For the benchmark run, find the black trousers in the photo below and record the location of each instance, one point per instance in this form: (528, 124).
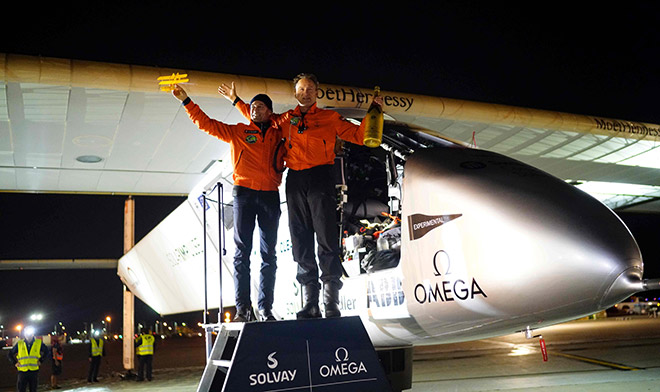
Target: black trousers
(27, 379)
(144, 363)
(94, 366)
(312, 204)
(264, 208)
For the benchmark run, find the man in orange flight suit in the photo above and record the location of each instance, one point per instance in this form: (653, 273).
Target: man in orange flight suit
(310, 134)
(256, 196)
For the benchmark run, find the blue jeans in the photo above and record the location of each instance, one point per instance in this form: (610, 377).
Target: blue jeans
(264, 208)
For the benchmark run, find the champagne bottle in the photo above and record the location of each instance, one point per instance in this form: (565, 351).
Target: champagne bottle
(373, 129)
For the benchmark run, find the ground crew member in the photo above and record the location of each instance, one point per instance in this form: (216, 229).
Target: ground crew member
(256, 196)
(96, 352)
(145, 344)
(310, 134)
(27, 355)
(57, 353)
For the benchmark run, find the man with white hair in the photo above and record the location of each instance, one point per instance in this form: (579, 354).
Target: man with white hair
(27, 355)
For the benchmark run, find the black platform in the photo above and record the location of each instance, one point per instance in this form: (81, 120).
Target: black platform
(324, 355)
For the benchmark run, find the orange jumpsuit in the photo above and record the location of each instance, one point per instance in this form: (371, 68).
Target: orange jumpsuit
(256, 197)
(252, 153)
(310, 187)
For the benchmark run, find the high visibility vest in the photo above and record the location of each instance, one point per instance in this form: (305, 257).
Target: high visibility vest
(28, 361)
(59, 354)
(147, 346)
(97, 348)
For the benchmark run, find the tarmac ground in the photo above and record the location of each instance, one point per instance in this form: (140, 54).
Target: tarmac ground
(592, 355)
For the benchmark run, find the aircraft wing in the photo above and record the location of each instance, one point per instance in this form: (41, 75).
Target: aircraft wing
(81, 126)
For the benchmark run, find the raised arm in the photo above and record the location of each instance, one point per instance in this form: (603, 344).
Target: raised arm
(179, 93)
(213, 127)
(230, 93)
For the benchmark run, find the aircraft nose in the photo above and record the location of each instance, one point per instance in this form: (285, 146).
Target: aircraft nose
(603, 251)
(610, 243)
(626, 284)
(530, 237)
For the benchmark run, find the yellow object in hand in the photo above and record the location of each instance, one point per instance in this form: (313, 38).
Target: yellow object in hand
(167, 83)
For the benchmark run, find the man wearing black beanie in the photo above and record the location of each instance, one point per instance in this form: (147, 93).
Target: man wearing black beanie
(256, 195)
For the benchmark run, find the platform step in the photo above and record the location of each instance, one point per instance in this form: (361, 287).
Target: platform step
(331, 355)
(221, 363)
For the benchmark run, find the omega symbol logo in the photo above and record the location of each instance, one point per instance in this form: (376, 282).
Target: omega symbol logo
(272, 362)
(440, 259)
(338, 355)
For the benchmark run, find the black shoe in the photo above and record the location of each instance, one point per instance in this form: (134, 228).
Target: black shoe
(242, 316)
(310, 311)
(331, 299)
(267, 315)
(311, 298)
(332, 311)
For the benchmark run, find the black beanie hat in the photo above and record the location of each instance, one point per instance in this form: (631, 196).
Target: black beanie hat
(265, 99)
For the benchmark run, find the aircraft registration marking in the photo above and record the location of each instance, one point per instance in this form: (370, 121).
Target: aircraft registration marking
(385, 296)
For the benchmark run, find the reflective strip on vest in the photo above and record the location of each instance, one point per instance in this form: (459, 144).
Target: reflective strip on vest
(28, 361)
(97, 348)
(147, 346)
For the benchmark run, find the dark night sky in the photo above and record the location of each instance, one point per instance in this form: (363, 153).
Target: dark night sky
(598, 60)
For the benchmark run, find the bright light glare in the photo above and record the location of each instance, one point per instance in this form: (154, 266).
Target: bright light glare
(616, 195)
(649, 158)
(521, 350)
(613, 188)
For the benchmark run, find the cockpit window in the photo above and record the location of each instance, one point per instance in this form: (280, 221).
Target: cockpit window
(404, 140)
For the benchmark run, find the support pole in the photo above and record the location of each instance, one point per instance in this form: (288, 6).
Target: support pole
(206, 291)
(129, 298)
(221, 242)
(207, 328)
